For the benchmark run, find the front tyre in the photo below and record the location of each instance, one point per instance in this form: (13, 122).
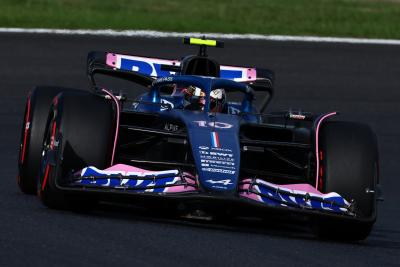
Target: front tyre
(33, 129)
(349, 162)
(80, 133)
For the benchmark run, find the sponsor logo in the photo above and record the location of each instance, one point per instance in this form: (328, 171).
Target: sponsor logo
(163, 79)
(224, 182)
(218, 154)
(216, 124)
(171, 127)
(220, 125)
(219, 162)
(218, 170)
(146, 66)
(221, 149)
(297, 116)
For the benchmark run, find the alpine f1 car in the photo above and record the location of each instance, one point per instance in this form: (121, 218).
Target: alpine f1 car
(184, 145)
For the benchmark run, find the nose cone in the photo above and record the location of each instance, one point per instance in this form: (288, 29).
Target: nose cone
(216, 151)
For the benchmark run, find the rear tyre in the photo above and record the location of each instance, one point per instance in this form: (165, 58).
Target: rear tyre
(350, 168)
(80, 133)
(32, 134)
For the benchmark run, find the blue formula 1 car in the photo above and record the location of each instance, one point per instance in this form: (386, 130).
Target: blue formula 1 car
(184, 145)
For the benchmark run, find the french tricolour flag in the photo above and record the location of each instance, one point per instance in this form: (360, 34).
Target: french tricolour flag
(215, 139)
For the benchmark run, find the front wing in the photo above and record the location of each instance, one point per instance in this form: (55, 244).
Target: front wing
(125, 178)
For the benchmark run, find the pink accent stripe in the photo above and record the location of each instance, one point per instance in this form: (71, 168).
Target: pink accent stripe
(125, 168)
(251, 195)
(179, 188)
(245, 186)
(111, 60)
(251, 74)
(117, 125)
(128, 168)
(301, 187)
(317, 144)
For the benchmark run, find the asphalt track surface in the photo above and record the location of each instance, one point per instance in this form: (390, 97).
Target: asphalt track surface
(360, 81)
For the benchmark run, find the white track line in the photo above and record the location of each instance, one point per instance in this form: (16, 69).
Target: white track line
(157, 34)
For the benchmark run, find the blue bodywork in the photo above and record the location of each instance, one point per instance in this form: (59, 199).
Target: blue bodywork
(214, 137)
(216, 150)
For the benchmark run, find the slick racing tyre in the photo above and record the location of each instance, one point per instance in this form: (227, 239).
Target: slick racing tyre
(33, 128)
(80, 133)
(349, 162)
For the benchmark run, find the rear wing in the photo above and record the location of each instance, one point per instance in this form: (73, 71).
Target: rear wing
(144, 70)
(153, 68)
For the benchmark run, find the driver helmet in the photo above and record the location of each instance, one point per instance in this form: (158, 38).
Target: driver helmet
(217, 100)
(194, 98)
